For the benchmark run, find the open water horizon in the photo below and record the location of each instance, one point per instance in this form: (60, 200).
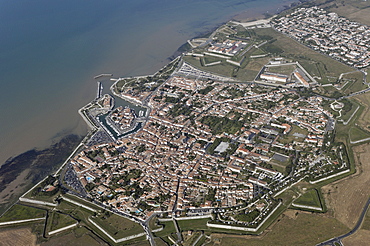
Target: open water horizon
(51, 50)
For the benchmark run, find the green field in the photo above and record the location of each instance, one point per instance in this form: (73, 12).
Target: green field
(288, 196)
(89, 204)
(256, 52)
(210, 59)
(58, 220)
(196, 224)
(347, 115)
(118, 226)
(356, 133)
(286, 70)
(169, 228)
(153, 224)
(355, 83)
(310, 198)
(289, 231)
(22, 212)
(159, 242)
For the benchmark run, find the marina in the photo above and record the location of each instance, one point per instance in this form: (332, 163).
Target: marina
(103, 116)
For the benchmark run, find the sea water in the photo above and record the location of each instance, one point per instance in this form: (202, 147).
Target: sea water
(51, 50)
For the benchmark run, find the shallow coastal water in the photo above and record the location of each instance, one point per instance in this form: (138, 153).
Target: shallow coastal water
(51, 50)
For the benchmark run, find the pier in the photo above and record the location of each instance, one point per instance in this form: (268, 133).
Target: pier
(99, 91)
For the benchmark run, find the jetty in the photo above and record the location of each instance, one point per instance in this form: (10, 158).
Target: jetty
(103, 75)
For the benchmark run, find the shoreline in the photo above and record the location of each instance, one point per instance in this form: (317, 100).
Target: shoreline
(91, 127)
(13, 147)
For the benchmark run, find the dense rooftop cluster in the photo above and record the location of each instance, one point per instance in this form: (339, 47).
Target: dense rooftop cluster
(228, 47)
(329, 33)
(210, 144)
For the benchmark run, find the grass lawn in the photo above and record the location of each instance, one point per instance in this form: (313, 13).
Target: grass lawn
(342, 132)
(81, 214)
(314, 68)
(357, 133)
(22, 212)
(305, 229)
(89, 204)
(346, 116)
(286, 70)
(43, 196)
(364, 119)
(118, 226)
(169, 228)
(223, 69)
(288, 196)
(248, 75)
(256, 64)
(310, 198)
(211, 59)
(153, 225)
(66, 206)
(59, 220)
(196, 224)
(355, 83)
(256, 52)
(159, 242)
(329, 90)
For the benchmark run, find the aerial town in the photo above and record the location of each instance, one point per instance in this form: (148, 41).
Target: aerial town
(328, 33)
(208, 144)
(230, 134)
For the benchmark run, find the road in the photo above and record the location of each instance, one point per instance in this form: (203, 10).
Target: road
(358, 225)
